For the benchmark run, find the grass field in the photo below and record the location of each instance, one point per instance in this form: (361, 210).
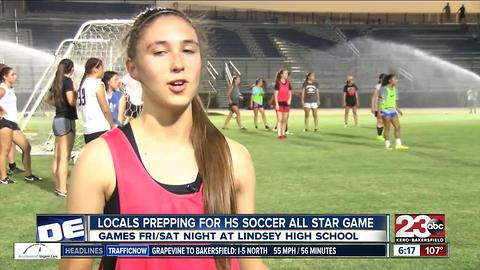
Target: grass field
(336, 170)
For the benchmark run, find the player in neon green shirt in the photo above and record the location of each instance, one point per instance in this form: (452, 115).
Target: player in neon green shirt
(387, 102)
(256, 103)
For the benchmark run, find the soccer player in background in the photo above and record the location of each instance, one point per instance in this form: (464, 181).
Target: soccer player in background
(171, 159)
(93, 103)
(472, 97)
(388, 103)
(116, 99)
(234, 96)
(310, 99)
(350, 100)
(256, 103)
(374, 107)
(9, 129)
(133, 94)
(283, 99)
(12, 164)
(65, 100)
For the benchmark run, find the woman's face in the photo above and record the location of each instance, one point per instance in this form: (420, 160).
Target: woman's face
(312, 77)
(114, 82)
(11, 77)
(285, 74)
(393, 81)
(237, 81)
(99, 71)
(168, 62)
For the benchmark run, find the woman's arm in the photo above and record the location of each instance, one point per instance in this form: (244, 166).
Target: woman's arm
(276, 100)
(303, 96)
(358, 98)
(244, 177)
(121, 109)
(93, 177)
(289, 97)
(229, 94)
(373, 100)
(318, 96)
(2, 93)
(102, 101)
(344, 99)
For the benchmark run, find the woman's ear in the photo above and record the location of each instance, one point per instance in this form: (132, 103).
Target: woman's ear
(132, 68)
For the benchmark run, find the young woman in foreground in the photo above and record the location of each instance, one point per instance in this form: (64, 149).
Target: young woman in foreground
(167, 160)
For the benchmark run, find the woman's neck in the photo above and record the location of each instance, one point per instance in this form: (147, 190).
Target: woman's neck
(9, 85)
(165, 125)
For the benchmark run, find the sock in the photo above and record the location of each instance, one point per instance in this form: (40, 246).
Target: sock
(12, 165)
(398, 141)
(387, 143)
(379, 131)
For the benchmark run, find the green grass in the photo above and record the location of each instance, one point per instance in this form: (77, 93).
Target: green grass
(337, 170)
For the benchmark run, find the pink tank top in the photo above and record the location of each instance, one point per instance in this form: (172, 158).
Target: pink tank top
(139, 194)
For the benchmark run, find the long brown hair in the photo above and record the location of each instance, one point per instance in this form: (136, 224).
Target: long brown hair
(4, 72)
(64, 67)
(89, 66)
(212, 153)
(279, 74)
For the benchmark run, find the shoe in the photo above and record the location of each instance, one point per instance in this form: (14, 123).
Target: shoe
(401, 147)
(60, 194)
(315, 130)
(284, 137)
(243, 128)
(7, 181)
(256, 127)
(32, 178)
(280, 138)
(267, 127)
(380, 138)
(275, 129)
(288, 133)
(15, 170)
(305, 130)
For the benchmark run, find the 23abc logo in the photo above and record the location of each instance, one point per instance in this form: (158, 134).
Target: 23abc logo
(421, 226)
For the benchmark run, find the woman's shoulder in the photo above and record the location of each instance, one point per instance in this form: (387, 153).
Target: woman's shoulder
(239, 153)
(95, 162)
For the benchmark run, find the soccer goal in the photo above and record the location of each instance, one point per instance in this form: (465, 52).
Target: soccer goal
(102, 39)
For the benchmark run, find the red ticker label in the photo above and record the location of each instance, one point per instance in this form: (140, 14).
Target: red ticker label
(433, 250)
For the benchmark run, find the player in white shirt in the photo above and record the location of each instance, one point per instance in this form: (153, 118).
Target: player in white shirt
(92, 101)
(9, 130)
(133, 89)
(375, 110)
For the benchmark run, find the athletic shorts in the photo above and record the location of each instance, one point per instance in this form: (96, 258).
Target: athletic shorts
(257, 106)
(4, 123)
(351, 104)
(283, 106)
(90, 137)
(389, 114)
(62, 126)
(310, 105)
(133, 110)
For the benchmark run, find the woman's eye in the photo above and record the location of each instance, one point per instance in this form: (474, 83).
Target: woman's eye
(160, 52)
(188, 51)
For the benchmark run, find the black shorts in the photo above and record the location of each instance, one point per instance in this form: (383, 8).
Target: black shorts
(283, 104)
(90, 137)
(351, 104)
(4, 123)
